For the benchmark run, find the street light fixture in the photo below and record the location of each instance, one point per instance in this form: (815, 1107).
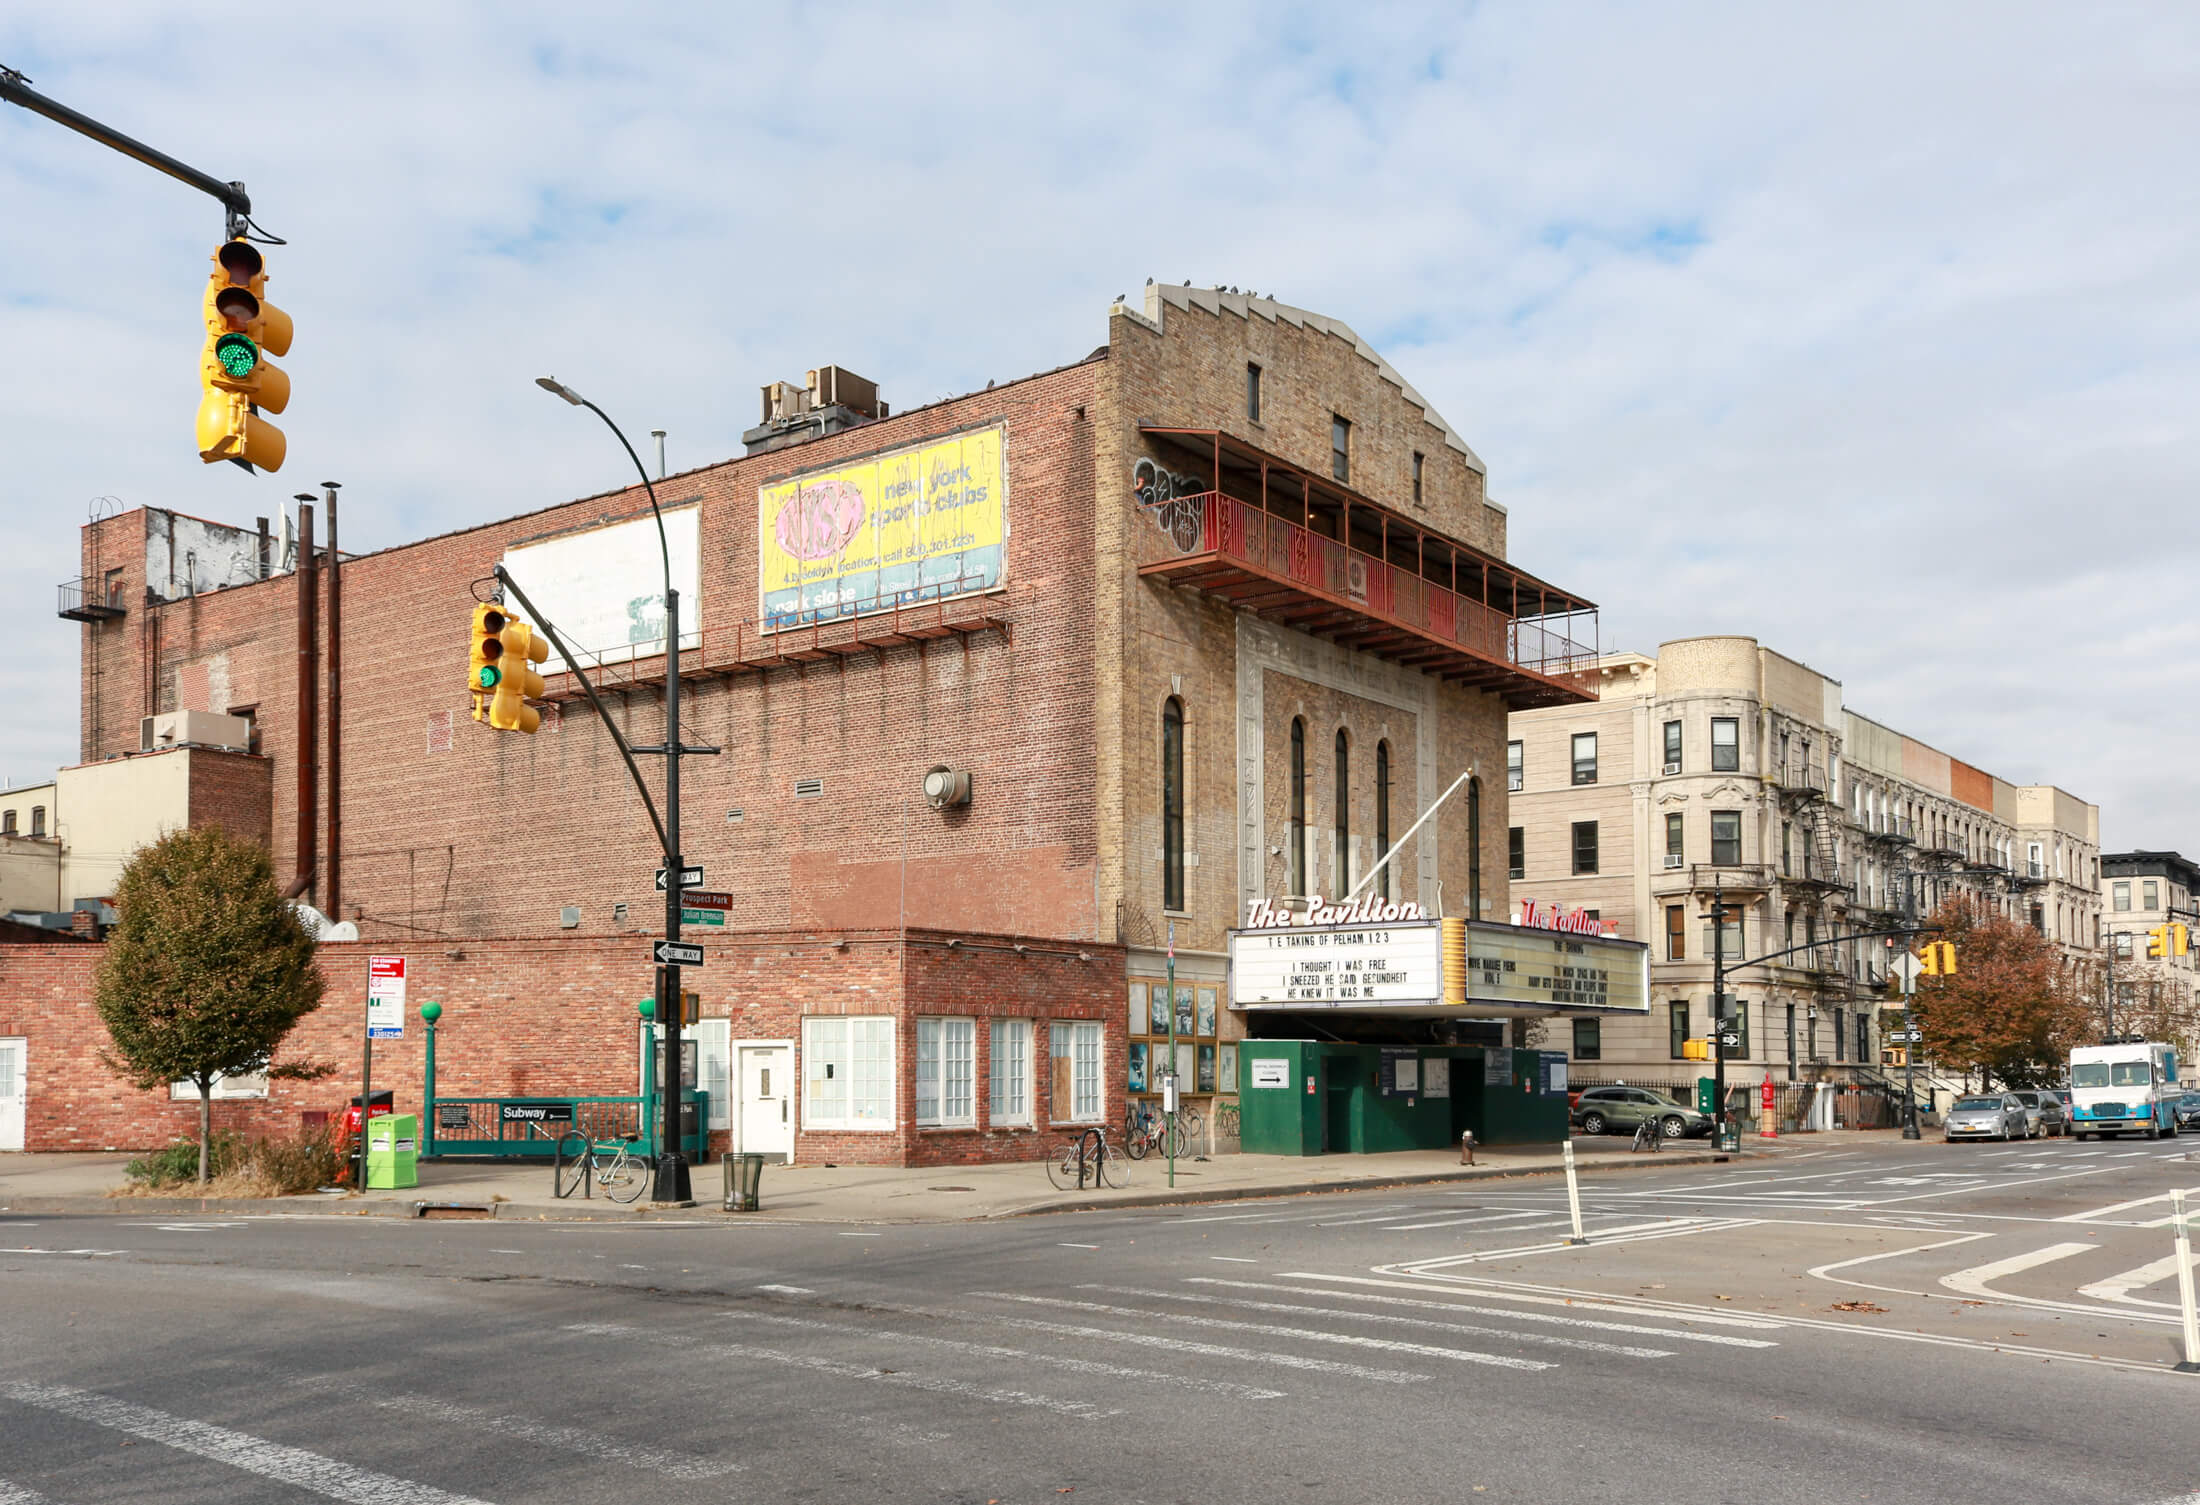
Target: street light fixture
(672, 1184)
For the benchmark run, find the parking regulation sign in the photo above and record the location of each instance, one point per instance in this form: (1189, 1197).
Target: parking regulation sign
(385, 998)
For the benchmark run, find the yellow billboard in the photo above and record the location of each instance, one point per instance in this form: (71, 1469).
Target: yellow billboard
(917, 524)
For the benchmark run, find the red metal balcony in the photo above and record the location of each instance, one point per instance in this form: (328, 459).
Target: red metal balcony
(1498, 630)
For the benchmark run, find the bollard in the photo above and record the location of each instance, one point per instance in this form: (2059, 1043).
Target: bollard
(1573, 1196)
(2186, 1305)
(1466, 1147)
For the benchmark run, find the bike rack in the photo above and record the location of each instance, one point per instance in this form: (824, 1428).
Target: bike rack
(558, 1161)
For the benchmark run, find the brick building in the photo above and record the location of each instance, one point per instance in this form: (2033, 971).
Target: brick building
(1161, 605)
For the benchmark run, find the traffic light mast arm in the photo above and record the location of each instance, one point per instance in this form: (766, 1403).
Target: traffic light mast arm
(1824, 941)
(664, 842)
(13, 88)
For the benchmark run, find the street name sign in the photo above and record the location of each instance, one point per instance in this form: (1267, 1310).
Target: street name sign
(705, 898)
(679, 954)
(701, 916)
(689, 877)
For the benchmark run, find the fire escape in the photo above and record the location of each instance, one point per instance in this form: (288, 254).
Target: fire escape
(1811, 879)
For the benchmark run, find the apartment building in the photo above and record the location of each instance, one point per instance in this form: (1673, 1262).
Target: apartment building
(1719, 768)
(2154, 995)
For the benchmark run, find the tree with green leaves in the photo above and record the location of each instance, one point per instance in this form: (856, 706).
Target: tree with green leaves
(2011, 1011)
(206, 969)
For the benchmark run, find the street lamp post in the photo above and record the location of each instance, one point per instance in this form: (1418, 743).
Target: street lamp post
(1718, 1014)
(672, 1185)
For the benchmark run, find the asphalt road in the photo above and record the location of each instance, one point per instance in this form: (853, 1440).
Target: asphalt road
(1908, 1323)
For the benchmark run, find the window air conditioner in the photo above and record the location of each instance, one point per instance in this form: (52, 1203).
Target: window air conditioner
(1672, 768)
(1674, 859)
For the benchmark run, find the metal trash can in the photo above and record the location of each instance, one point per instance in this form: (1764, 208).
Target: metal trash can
(744, 1174)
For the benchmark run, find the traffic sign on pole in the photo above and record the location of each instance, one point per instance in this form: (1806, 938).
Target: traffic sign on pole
(679, 954)
(689, 877)
(705, 898)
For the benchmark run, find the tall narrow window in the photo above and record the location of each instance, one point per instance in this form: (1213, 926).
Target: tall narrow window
(1298, 806)
(1676, 1028)
(1172, 804)
(1382, 814)
(1726, 744)
(1585, 757)
(7, 822)
(38, 820)
(1676, 932)
(1417, 458)
(1252, 391)
(1516, 851)
(1672, 747)
(1585, 846)
(1726, 838)
(1676, 841)
(1588, 1039)
(1515, 767)
(1474, 849)
(1340, 448)
(1342, 882)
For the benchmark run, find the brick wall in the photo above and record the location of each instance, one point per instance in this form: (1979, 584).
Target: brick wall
(233, 790)
(533, 1015)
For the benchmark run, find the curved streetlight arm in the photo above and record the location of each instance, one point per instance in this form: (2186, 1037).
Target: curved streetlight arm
(552, 385)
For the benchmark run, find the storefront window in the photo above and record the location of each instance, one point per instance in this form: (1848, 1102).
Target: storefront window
(848, 1073)
(1009, 1073)
(947, 1073)
(1074, 1049)
(1200, 1063)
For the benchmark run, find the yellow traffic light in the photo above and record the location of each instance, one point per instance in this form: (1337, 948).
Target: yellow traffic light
(517, 682)
(1937, 959)
(1695, 1050)
(484, 650)
(2158, 941)
(242, 329)
(2180, 940)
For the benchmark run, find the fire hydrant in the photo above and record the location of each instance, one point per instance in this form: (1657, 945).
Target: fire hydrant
(1466, 1147)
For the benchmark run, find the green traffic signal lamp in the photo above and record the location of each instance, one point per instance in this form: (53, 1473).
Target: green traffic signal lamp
(238, 356)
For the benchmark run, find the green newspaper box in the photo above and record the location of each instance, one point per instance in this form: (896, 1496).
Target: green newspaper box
(393, 1151)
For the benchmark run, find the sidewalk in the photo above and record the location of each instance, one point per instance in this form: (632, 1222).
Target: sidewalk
(846, 1194)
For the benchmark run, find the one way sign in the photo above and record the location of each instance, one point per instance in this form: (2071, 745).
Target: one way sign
(689, 877)
(679, 954)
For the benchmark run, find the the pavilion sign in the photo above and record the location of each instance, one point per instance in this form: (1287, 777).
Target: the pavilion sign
(1373, 909)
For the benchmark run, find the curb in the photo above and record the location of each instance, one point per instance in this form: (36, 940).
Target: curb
(709, 1214)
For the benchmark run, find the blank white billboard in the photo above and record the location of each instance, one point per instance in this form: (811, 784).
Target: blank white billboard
(604, 588)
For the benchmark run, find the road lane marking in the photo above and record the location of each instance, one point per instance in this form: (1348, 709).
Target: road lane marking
(1549, 1340)
(239, 1450)
(1484, 1217)
(1172, 1344)
(2120, 1287)
(1664, 1228)
(589, 1442)
(1081, 1410)
(998, 1351)
(1974, 1281)
(1076, 1246)
(1510, 1315)
(789, 1290)
(71, 1253)
(16, 1494)
(1304, 1334)
(1233, 1259)
(1864, 1259)
(2097, 1214)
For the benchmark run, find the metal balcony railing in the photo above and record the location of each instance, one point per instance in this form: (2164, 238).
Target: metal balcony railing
(83, 600)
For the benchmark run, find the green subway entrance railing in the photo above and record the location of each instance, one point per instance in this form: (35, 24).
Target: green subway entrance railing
(528, 1128)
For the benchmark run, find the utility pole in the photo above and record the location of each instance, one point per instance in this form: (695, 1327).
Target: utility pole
(1718, 1013)
(2110, 999)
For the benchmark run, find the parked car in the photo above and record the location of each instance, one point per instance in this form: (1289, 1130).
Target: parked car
(2045, 1111)
(1606, 1110)
(2188, 1110)
(1995, 1116)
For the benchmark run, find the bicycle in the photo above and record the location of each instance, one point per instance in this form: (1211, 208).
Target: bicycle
(1086, 1163)
(610, 1164)
(1149, 1131)
(1652, 1133)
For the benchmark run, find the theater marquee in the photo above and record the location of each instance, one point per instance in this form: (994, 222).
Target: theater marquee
(1525, 967)
(1338, 966)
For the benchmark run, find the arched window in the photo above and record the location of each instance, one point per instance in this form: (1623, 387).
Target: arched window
(1342, 882)
(1298, 805)
(38, 820)
(1382, 814)
(1172, 804)
(1474, 849)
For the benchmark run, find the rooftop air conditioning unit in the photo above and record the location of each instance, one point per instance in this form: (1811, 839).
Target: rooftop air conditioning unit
(1675, 859)
(201, 728)
(1672, 768)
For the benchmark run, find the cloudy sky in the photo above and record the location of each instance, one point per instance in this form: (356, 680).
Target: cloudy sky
(1867, 330)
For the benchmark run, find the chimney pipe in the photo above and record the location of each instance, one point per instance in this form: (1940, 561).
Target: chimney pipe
(332, 891)
(309, 720)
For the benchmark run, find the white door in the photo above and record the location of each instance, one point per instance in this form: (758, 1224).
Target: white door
(14, 1080)
(764, 1111)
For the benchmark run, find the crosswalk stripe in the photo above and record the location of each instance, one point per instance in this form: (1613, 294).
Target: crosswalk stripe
(1486, 1217)
(239, 1450)
(1973, 1282)
(2096, 1214)
(1304, 1334)
(998, 1351)
(589, 1442)
(1581, 1301)
(1171, 1344)
(1548, 1340)
(16, 1494)
(1495, 1311)
(1081, 1410)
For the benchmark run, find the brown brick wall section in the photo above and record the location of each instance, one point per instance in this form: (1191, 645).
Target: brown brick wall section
(234, 791)
(543, 1016)
(500, 832)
